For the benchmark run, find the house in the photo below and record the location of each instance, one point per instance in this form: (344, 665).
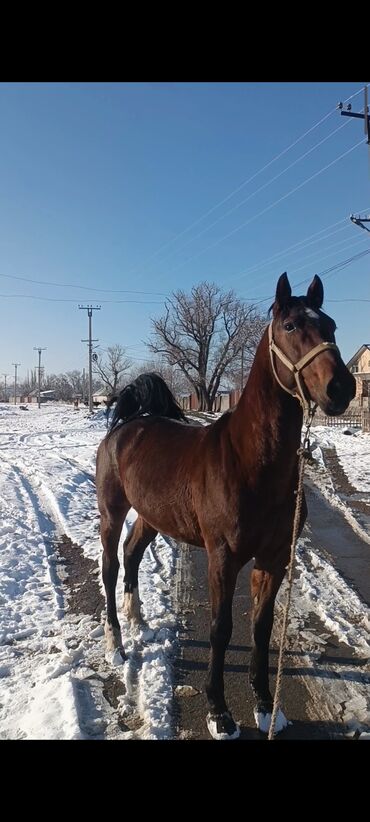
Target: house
(359, 365)
(100, 396)
(33, 396)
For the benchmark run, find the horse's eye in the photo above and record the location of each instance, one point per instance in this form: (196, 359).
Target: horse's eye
(289, 327)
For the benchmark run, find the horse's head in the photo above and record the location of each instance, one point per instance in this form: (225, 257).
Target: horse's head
(304, 357)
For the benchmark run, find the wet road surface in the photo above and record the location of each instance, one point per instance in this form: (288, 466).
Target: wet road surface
(331, 535)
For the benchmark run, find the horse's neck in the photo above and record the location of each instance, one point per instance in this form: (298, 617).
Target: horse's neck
(267, 422)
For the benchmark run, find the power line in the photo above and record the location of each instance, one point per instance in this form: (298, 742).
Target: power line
(291, 251)
(242, 185)
(350, 300)
(269, 207)
(325, 273)
(338, 266)
(82, 287)
(307, 262)
(256, 191)
(71, 300)
(322, 256)
(305, 242)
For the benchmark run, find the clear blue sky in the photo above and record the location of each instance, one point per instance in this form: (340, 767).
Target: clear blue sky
(100, 182)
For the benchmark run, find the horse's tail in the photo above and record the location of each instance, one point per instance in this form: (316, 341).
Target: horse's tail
(148, 394)
(109, 402)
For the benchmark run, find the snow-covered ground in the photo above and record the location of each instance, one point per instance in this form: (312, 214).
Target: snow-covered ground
(53, 674)
(322, 596)
(52, 667)
(353, 451)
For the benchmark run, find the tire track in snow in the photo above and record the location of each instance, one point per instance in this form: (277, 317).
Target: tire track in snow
(66, 651)
(135, 701)
(46, 528)
(130, 715)
(31, 626)
(75, 464)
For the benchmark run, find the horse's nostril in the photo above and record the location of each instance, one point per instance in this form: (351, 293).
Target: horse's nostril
(335, 389)
(340, 387)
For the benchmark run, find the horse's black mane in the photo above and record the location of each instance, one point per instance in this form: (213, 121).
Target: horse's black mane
(148, 394)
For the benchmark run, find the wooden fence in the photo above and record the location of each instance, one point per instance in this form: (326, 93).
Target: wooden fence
(366, 421)
(223, 402)
(352, 421)
(361, 420)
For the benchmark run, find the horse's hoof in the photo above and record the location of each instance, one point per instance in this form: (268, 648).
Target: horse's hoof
(222, 726)
(115, 657)
(263, 721)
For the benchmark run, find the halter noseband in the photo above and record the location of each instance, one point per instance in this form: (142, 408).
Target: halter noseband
(297, 367)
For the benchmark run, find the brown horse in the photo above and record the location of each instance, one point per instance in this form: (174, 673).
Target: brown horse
(228, 486)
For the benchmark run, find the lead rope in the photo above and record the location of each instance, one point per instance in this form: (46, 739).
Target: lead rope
(303, 453)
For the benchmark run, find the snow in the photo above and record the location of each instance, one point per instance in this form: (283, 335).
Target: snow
(223, 735)
(323, 591)
(52, 661)
(353, 452)
(53, 672)
(354, 457)
(263, 721)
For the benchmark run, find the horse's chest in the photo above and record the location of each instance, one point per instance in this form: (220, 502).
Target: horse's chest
(260, 521)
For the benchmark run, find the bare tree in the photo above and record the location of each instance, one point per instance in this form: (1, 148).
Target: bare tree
(237, 372)
(203, 333)
(110, 365)
(66, 386)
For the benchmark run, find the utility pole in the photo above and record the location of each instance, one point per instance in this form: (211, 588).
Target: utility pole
(15, 381)
(365, 116)
(90, 309)
(39, 370)
(5, 376)
(360, 221)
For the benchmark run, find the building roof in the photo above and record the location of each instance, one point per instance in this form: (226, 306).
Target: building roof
(35, 393)
(358, 354)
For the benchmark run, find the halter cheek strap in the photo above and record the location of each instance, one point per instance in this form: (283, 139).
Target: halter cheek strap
(297, 367)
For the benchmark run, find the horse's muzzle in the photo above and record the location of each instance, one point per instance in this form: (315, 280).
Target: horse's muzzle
(340, 391)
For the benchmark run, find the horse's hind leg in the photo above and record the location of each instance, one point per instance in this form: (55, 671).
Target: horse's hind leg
(112, 513)
(139, 537)
(222, 574)
(264, 587)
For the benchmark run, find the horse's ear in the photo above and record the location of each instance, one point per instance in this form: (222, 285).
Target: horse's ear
(283, 292)
(315, 292)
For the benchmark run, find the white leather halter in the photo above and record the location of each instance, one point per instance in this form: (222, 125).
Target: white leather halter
(297, 367)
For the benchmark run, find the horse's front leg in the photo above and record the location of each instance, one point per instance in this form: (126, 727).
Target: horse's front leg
(264, 587)
(222, 575)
